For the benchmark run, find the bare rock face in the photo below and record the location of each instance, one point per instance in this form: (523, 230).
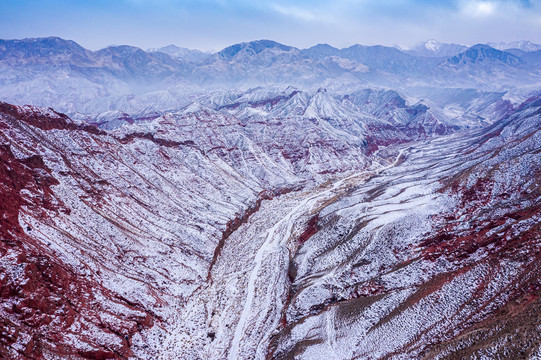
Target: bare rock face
(239, 232)
(47, 307)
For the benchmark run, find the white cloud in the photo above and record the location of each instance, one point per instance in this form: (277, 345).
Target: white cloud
(479, 8)
(294, 12)
(325, 13)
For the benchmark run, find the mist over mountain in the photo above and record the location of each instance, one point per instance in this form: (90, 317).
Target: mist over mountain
(523, 45)
(60, 73)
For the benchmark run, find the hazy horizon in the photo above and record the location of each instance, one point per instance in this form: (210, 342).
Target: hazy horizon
(253, 40)
(211, 25)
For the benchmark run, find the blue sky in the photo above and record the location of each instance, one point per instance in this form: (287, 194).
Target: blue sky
(214, 24)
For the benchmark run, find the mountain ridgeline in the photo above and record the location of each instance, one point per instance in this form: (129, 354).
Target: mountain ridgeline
(60, 73)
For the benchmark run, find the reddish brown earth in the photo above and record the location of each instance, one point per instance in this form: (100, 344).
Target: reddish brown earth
(44, 302)
(50, 308)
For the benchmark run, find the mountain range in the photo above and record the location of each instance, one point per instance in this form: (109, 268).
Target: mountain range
(62, 74)
(270, 202)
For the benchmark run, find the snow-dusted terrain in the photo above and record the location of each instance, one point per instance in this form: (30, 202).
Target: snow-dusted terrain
(267, 202)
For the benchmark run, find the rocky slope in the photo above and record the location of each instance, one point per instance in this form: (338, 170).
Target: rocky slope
(223, 231)
(438, 255)
(105, 234)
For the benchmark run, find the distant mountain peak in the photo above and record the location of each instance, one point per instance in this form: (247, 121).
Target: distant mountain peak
(481, 46)
(171, 47)
(323, 47)
(47, 39)
(321, 51)
(435, 48)
(186, 54)
(482, 53)
(40, 50)
(433, 45)
(523, 45)
(53, 42)
(252, 48)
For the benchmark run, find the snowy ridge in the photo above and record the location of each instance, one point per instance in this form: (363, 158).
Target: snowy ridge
(210, 236)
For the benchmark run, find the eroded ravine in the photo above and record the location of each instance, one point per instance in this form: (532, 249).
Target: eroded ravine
(404, 252)
(256, 308)
(244, 303)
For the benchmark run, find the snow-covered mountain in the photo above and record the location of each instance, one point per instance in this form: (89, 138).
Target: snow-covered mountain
(484, 67)
(269, 202)
(434, 48)
(523, 45)
(51, 50)
(243, 51)
(484, 54)
(321, 51)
